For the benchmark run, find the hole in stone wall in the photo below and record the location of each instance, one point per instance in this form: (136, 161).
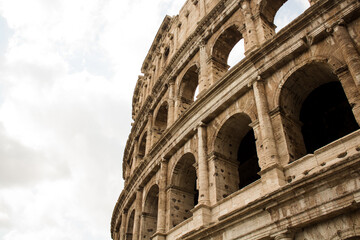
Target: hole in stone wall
(326, 116)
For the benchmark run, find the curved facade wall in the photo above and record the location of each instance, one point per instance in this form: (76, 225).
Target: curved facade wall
(267, 149)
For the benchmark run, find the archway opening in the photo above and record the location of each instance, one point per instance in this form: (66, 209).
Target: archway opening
(142, 146)
(236, 54)
(248, 161)
(288, 12)
(150, 213)
(130, 228)
(188, 86)
(310, 101)
(221, 51)
(235, 151)
(326, 116)
(183, 193)
(161, 120)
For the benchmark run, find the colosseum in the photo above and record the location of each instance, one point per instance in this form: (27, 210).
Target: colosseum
(266, 149)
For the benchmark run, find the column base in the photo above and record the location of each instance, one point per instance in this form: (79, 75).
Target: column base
(158, 236)
(272, 178)
(201, 215)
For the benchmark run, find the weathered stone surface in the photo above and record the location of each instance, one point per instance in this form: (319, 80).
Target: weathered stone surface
(269, 149)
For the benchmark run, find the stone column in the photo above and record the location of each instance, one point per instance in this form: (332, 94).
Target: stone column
(161, 217)
(203, 166)
(123, 225)
(204, 82)
(171, 102)
(138, 212)
(149, 134)
(251, 41)
(348, 50)
(351, 92)
(271, 173)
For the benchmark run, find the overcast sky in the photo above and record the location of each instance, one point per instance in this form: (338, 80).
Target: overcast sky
(67, 73)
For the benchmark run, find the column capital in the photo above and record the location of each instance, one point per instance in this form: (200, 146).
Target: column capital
(201, 125)
(258, 78)
(287, 235)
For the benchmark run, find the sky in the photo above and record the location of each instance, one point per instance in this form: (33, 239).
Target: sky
(67, 74)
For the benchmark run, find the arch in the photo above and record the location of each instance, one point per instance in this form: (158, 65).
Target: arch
(183, 191)
(142, 145)
(161, 120)
(130, 226)
(221, 49)
(315, 109)
(288, 12)
(150, 213)
(187, 87)
(235, 150)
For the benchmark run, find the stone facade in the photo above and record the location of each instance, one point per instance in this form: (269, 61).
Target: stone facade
(269, 149)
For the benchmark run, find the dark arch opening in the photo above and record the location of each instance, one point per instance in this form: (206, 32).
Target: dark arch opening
(150, 213)
(314, 85)
(130, 228)
(248, 161)
(183, 193)
(235, 151)
(188, 86)
(326, 116)
(142, 145)
(161, 120)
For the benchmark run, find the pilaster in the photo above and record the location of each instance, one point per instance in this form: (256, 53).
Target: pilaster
(138, 212)
(348, 50)
(204, 82)
(271, 172)
(123, 225)
(203, 166)
(161, 221)
(171, 102)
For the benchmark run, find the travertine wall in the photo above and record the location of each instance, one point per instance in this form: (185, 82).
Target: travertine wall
(269, 149)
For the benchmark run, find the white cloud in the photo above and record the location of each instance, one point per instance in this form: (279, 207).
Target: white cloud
(66, 82)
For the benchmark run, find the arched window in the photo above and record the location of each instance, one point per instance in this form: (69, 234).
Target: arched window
(326, 116)
(161, 120)
(150, 213)
(183, 193)
(130, 228)
(221, 50)
(315, 110)
(236, 54)
(188, 86)
(290, 10)
(235, 150)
